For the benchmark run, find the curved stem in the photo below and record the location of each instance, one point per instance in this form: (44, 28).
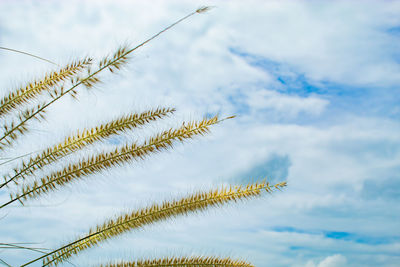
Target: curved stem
(28, 54)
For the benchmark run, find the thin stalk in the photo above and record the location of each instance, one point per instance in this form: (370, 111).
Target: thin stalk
(14, 246)
(5, 263)
(7, 160)
(28, 54)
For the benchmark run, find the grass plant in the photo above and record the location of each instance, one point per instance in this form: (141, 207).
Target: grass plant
(24, 181)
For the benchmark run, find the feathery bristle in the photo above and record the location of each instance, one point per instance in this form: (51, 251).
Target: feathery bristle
(155, 213)
(182, 262)
(32, 90)
(103, 161)
(115, 62)
(85, 138)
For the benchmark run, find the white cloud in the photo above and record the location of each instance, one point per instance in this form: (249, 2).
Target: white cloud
(336, 260)
(289, 106)
(341, 42)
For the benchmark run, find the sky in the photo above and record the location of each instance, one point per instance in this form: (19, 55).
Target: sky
(315, 89)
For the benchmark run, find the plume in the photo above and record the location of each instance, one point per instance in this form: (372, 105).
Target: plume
(102, 161)
(157, 212)
(33, 89)
(182, 262)
(83, 139)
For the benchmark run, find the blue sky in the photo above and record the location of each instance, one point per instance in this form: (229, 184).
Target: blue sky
(314, 85)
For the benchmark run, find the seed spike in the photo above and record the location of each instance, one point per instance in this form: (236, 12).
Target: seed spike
(157, 212)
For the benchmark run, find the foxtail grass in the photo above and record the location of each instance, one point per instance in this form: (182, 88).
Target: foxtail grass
(66, 81)
(182, 262)
(154, 213)
(103, 161)
(27, 93)
(84, 138)
(16, 99)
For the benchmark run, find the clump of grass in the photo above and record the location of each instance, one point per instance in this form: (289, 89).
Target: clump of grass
(22, 106)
